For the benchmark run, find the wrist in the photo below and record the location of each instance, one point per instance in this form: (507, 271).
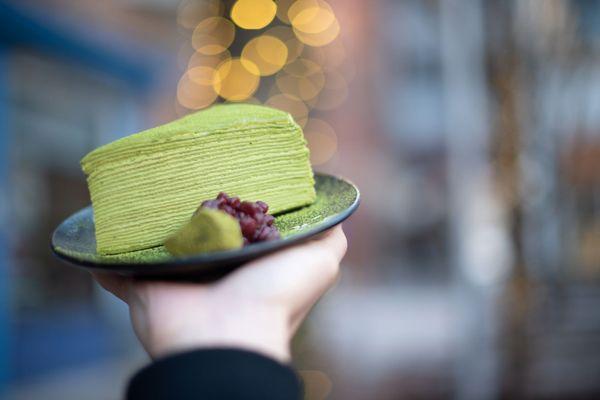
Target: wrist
(258, 328)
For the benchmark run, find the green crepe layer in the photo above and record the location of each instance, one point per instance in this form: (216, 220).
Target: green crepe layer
(146, 186)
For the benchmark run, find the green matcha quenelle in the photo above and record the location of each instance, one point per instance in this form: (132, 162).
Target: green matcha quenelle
(208, 230)
(145, 186)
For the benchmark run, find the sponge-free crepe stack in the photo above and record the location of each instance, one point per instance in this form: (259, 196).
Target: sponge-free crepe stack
(145, 186)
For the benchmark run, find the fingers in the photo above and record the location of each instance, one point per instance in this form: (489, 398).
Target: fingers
(325, 254)
(318, 257)
(294, 278)
(334, 240)
(302, 272)
(118, 285)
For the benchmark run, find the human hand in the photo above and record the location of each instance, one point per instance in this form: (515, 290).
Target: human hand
(257, 307)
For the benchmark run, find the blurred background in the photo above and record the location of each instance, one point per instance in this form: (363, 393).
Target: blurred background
(471, 127)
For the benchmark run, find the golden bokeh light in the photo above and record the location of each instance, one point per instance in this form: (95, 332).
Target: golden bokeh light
(311, 16)
(202, 60)
(268, 53)
(322, 140)
(291, 104)
(302, 78)
(303, 67)
(191, 12)
(195, 88)
(333, 94)
(235, 81)
(180, 110)
(282, 10)
(319, 39)
(330, 56)
(299, 6)
(308, 62)
(202, 75)
(253, 14)
(287, 36)
(213, 35)
(249, 100)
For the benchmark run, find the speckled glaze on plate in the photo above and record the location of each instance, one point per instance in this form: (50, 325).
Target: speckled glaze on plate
(74, 239)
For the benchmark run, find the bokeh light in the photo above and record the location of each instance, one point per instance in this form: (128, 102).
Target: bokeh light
(308, 64)
(202, 75)
(282, 10)
(195, 88)
(321, 38)
(322, 140)
(252, 100)
(235, 81)
(330, 56)
(302, 78)
(191, 12)
(299, 6)
(268, 53)
(311, 16)
(202, 60)
(333, 93)
(253, 14)
(291, 104)
(287, 36)
(213, 35)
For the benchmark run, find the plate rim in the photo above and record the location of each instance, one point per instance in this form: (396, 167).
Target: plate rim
(232, 256)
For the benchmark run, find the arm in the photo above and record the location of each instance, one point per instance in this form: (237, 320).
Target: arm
(251, 315)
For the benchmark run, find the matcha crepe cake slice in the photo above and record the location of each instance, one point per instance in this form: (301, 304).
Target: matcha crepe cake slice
(146, 186)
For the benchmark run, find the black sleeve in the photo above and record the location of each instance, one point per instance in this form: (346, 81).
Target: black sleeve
(215, 374)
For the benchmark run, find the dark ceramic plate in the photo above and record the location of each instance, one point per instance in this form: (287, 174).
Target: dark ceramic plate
(74, 239)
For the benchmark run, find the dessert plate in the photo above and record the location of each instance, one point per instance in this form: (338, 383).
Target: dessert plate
(74, 240)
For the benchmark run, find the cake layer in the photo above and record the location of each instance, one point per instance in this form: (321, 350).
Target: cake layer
(145, 186)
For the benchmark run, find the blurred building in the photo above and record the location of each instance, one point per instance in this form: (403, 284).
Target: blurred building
(69, 86)
(472, 129)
